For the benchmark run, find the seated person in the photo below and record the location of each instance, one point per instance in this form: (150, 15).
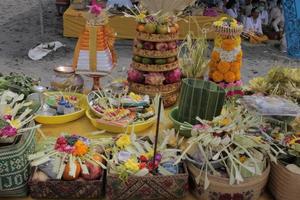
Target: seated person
(222, 5)
(253, 28)
(231, 9)
(264, 16)
(246, 10)
(276, 18)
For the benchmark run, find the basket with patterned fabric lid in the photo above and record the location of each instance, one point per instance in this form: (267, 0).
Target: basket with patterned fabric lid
(14, 166)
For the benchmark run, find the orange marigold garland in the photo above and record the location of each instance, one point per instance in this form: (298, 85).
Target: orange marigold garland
(226, 57)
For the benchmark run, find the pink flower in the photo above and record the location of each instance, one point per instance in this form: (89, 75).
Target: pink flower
(8, 131)
(95, 9)
(7, 117)
(173, 76)
(199, 127)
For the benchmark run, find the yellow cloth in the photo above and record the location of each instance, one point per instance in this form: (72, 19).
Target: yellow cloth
(93, 48)
(74, 23)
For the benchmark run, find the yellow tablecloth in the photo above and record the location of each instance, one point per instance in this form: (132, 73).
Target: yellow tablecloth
(74, 22)
(85, 128)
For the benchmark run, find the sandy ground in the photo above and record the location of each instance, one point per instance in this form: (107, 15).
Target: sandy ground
(20, 31)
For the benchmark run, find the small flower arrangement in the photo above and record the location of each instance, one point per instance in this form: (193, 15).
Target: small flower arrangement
(70, 157)
(133, 156)
(288, 140)
(15, 114)
(120, 110)
(226, 22)
(230, 146)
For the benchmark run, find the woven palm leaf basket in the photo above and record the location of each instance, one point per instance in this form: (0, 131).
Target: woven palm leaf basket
(147, 187)
(154, 53)
(155, 68)
(284, 184)
(14, 166)
(219, 188)
(157, 37)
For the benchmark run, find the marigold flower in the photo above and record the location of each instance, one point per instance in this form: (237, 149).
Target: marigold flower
(223, 66)
(215, 56)
(228, 44)
(235, 67)
(217, 76)
(80, 148)
(229, 77)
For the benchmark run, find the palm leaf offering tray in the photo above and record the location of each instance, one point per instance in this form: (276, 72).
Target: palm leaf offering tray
(61, 107)
(230, 146)
(69, 161)
(15, 115)
(134, 162)
(120, 111)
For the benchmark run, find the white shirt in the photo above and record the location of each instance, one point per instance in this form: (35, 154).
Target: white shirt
(275, 14)
(252, 25)
(232, 13)
(264, 16)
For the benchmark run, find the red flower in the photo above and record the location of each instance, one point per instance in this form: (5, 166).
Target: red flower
(225, 196)
(238, 196)
(143, 165)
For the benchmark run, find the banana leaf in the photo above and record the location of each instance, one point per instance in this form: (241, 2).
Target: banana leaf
(199, 98)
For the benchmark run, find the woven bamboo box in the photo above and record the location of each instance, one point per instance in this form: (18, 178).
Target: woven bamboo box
(219, 188)
(14, 166)
(147, 187)
(284, 184)
(60, 189)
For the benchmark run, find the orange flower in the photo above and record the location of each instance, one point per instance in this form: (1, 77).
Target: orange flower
(215, 56)
(229, 77)
(238, 76)
(217, 76)
(235, 66)
(80, 148)
(228, 44)
(212, 64)
(223, 66)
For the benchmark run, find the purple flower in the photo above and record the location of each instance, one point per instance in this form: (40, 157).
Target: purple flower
(158, 157)
(8, 131)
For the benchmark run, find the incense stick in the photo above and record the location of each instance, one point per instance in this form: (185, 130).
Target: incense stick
(157, 130)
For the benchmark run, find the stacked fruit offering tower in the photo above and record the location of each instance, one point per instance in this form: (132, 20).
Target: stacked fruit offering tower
(226, 57)
(155, 67)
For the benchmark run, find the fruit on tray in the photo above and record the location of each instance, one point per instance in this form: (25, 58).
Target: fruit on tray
(160, 61)
(150, 28)
(154, 78)
(173, 76)
(171, 59)
(162, 29)
(140, 28)
(147, 61)
(95, 171)
(148, 45)
(172, 45)
(135, 76)
(66, 173)
(161, 46)
(137, 59)
(138, 44)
